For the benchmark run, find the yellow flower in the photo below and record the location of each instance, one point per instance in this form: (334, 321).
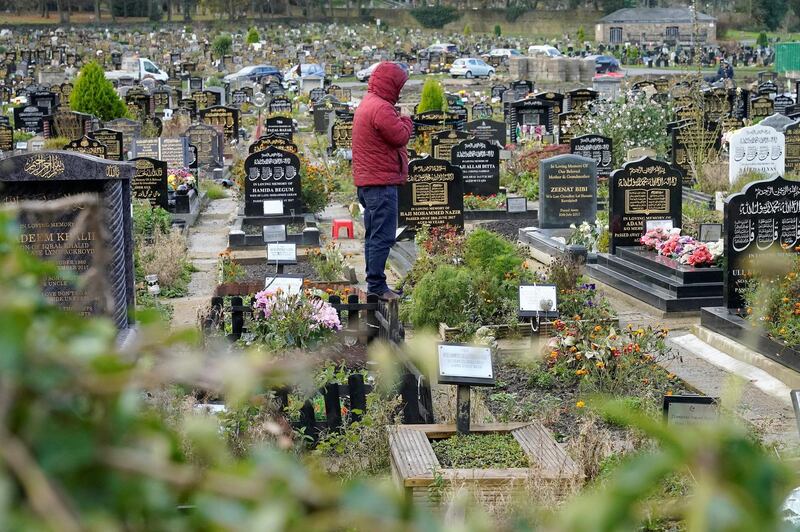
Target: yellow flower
(580, 404)
(600, 364)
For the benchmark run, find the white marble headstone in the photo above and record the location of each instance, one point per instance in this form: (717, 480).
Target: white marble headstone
(756, 149)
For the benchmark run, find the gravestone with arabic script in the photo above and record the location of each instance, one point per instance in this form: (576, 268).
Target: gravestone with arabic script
(761, 220)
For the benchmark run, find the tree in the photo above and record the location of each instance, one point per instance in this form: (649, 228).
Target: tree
(94, 94)
(252, 36)
(770, 13)
(581, 35)
(432, 98)
(222, 44)
(498, 30)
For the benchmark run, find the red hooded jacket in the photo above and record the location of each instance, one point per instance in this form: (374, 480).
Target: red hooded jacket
(380, 134)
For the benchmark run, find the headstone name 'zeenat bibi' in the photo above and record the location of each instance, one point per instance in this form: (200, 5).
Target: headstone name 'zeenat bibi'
(567, 191)
(47, 176)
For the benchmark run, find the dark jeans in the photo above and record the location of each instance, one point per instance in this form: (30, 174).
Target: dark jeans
(380, 221)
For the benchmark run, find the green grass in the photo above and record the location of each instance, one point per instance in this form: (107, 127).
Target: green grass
(215, 191)
(480, 451)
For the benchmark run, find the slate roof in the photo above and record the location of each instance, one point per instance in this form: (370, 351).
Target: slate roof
(655, 15)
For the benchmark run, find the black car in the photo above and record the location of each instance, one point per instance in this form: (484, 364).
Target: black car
(604, 63)
(257, 73)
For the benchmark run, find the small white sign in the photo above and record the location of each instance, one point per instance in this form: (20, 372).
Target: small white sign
(287, 285)
(538, 298)
(710, 232)
(666, 225)
(282, 252)
(274, 233)
(465, 361)
(273, 207)
(517, 204)
(692, 413)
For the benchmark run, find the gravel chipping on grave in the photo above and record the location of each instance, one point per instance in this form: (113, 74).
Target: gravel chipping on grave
(260, 271)
(508, 228)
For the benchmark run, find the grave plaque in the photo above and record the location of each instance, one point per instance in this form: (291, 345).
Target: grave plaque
(791, 135)
(30, 118)
(681, 410)
(498, 90)
(130, 129)
(279, 105)
(226, 118)
(280, 126)
(150, 181)
(272, 174)
(443, 142)
(566, 126)
(527, 114)
(460, 113)
(433, 195)
(432, 121)
(579, 99)
(112, 140)
(567, 191)
(49, 176)
(644, 189)
(490, 130)
(213, 98)
(6, 138)
(316, 94)
(691, 139)
(206, 138)
(146, 148)
(761, 107)
(87, 145)
(596, 147)
(482, 111)
(760, 221)
(265, 141)
(781, 103)
(756, 149)
(341, 135)
(479, 161)
(175, 152)
(190, 105)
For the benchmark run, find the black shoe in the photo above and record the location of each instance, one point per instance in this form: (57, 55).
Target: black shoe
(389, 295)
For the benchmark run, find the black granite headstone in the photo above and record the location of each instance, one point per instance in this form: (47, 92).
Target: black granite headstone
(567, 191)
(206, 138)
(442, 143)
(530, 113)
(226, 118)
(45, 176)
(761, 220)
(112, 140)
(265, 141)
(272, 174)
(479, 161)
(280, 126)
(87, 145)
(150, 181)
(596, 147)
(6, 138)
(645, 189)
(433, 195)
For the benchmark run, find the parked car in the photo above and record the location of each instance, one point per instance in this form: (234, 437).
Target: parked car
(502, 52)
(306, 70)
(470, 67)
(443, 48)
(544, 49)
(137, 69)
(364, 74)
(256, 73)
(604, 63)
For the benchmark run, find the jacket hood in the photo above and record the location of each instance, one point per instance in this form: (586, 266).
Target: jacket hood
(387, 81)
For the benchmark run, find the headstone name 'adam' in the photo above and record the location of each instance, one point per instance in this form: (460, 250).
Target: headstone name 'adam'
(645, 189)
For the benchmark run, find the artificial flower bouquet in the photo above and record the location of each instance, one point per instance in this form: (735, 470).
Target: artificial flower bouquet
(682, 248)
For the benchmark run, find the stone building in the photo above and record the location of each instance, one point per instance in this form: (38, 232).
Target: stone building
(655, 25)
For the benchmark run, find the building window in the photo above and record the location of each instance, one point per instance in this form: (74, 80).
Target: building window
(616, 35)
(672, 32)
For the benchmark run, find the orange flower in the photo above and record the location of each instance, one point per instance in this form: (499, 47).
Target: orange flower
(669, 392)
(581, 372)
(580, 404)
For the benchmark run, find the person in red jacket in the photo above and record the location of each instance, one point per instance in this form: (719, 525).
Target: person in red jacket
(380, 167)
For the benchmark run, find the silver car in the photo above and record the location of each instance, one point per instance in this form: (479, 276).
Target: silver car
(471, 67)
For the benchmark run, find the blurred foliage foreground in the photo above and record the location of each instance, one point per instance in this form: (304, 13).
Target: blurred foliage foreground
(82, 449)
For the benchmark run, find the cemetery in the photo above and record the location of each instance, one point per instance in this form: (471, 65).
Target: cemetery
(593, 310)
